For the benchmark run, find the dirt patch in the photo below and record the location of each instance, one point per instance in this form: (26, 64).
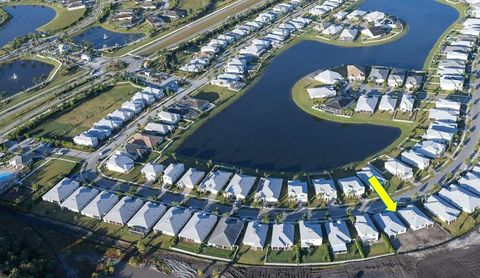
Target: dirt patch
(415, 240)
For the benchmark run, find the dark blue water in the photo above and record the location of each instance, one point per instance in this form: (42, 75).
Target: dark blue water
(27, 73)
(265, 129)
(100, 38)
(24, 20)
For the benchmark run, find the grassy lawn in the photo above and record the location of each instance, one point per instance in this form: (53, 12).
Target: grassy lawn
(81, 118)
(318, 254)
(159, 240)
(188, 246)
(282, 256)
(376, 249)
(246, 255)
(47, 176)
(219, 253)
(464, 223)
(352, 253)
(63, 18)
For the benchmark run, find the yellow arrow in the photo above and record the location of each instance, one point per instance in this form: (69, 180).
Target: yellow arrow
(391, 205)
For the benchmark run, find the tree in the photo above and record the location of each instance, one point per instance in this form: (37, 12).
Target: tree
(141, 248)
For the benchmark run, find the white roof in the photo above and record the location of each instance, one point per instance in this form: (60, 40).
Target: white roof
(152, 170)
(414, 217)
(61, 190)
(123, 210)
(430, 149)
(338, 235)
(407, 102)
(269, 189)
(282, 235)
(191, 178)
(162, 129)
(173, 172)
(329, 77)
(100, 205)
(147, 216)
(240, 186)
(256, 234)
(120, 163)
(198, 227)
(387, 103)
(390, 223)
(169, 117)
(172, 221)
(415, 159)
(321, 92)
(369, 171)
(397, 168)
(310, 234)
(460, 198)
(444, 114)
(441, 208)
(471, 182)
(326, 187)
(351, 186)
(80, 198)
(349, 33)
(365, 227)
(215, 181)
(298, 189)
(366, 104)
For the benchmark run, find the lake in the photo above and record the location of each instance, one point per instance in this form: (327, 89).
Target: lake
(22, 74)
(100, 38)
(264, 129)
(24, 20)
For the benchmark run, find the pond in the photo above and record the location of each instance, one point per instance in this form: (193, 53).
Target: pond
(22, 74)
(264, 129)
(24, 20)
(101, 38)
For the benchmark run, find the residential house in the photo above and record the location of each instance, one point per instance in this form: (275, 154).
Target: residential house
(198, 227)
(172, 221)
(269, 190)
(351, 187)
(191, 178)
(298, 191)
(79, 199)
(169, 118)
(239, 186)
(172, 173)
(120, 163)
(325, 188)
(398, 169)
(310, 234)
(215, 181)
(366, 229)
(329, 77)
(123, 211)
(255, 235)
(414, 217)
(415, 159)
(366, 104)
(61, 191)
(460, 198)
(146, 217)
(152, 171)
(388, 103)
(282, 236)
(100, 205)
(390, 224)
(338, 236)
(442, 209)
(407, 103)
(226, 233)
